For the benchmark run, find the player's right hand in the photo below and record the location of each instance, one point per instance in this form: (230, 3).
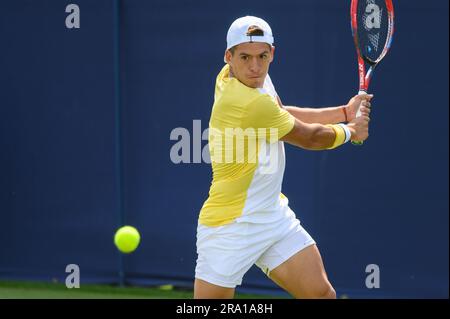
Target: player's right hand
(361, 102)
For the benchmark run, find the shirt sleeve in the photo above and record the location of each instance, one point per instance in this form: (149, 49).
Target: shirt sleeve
(264, 113)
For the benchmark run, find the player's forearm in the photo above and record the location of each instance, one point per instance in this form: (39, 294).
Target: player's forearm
(328, 115)
(322, 137)
(317, 136)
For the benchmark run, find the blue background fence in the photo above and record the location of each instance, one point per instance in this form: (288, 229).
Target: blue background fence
(86, 116)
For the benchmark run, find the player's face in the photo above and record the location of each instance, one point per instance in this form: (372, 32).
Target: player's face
(250, 62)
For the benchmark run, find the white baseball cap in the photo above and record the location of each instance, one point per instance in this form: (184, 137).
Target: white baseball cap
(238, 31)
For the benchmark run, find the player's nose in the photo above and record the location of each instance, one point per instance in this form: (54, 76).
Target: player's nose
(255, 66)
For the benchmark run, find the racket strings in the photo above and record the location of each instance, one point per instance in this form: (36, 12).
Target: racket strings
(373, 28)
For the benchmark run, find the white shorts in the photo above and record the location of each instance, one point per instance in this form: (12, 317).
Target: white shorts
(226, 253)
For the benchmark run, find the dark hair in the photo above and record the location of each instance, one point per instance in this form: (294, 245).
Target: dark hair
(252, 30)
(255, 30)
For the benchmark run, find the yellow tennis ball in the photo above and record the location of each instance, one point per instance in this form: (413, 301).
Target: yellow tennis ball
(127, 239)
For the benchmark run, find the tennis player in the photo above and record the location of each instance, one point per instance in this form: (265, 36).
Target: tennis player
(246, 220)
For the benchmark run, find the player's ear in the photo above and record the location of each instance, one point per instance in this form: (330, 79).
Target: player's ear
(272, 50)
(227, 57)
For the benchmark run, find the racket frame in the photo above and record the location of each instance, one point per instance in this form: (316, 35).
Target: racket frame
(365, 74)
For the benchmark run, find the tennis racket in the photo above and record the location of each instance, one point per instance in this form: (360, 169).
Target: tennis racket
(373, 30)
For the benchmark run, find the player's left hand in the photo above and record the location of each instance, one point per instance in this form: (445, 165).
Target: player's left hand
(356, 102)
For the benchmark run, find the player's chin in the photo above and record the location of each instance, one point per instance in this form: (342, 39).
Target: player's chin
(254, 83)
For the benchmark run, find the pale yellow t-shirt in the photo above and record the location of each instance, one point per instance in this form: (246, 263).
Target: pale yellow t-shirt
(247, 157)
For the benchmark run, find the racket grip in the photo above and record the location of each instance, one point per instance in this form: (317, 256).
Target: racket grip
(358, 114)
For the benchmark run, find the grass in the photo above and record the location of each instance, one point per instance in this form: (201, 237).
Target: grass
(44, 290)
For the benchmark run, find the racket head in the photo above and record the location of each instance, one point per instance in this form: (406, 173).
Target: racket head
(372, 23)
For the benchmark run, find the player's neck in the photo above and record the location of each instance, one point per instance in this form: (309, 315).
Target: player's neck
(231, 75)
